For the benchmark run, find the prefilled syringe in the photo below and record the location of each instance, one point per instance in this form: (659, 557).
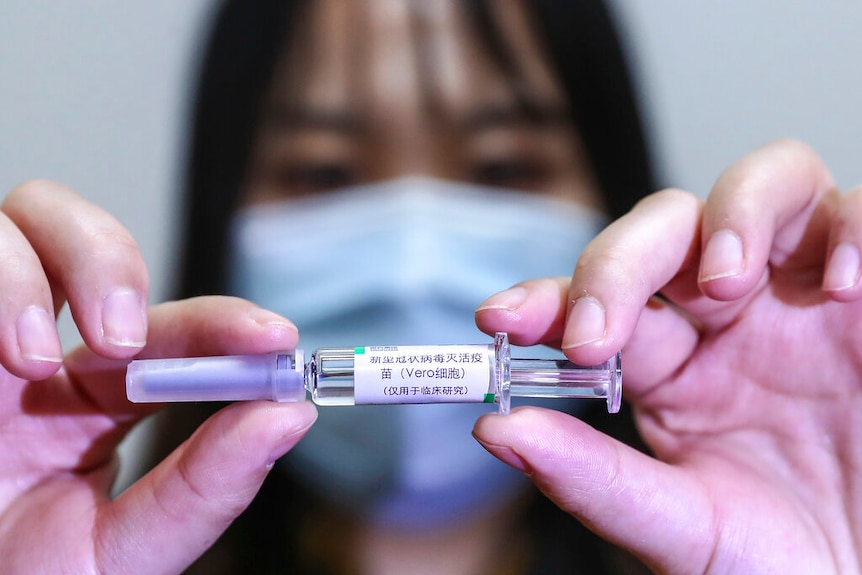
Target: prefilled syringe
(472, 373)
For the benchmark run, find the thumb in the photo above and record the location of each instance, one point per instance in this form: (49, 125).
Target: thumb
(171, 516)
(639, 503)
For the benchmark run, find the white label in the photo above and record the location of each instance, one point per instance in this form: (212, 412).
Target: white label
(423, 374)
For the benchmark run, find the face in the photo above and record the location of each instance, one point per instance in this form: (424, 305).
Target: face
(370, 90)
(373, 90)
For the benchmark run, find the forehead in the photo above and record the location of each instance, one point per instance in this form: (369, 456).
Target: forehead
(379, 57)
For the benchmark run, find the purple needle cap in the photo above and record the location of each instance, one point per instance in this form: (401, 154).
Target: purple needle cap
(273, 376)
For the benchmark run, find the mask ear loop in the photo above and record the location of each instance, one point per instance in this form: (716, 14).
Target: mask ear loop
(502, 372)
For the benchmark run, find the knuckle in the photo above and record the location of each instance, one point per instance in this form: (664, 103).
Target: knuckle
(667, 197)
(111, 241)
(795, 147)
(854, 194)
(35, 190)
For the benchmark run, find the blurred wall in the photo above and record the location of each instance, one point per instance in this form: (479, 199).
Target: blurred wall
(92, 94)
(723, 77)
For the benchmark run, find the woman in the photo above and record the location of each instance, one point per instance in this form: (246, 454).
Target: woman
(501, 96)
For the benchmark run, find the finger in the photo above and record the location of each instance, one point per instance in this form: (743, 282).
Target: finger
(92, 258)
(29, 342)
(531, 312)
(203, 326)
(841, 278)
(661, 230)
(623, 267)
(774, 206)
(217, 325)
(616, 491)
(170, 517)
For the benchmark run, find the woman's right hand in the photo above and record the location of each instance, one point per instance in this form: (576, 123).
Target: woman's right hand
(62, 417)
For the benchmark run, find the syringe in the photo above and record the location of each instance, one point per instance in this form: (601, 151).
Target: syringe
(473, 373)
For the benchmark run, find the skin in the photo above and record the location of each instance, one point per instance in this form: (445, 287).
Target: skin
(61, 418)
(755, 467)
(755, 471)
(744, 379)
(327, 126)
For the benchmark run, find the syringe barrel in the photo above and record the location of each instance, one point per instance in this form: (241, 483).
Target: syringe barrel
(401, 374)
(453, 374)
(329, 375)
(561, 378)
(272, 376)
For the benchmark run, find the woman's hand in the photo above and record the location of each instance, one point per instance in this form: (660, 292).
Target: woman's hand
(62, 418)
(744, 377)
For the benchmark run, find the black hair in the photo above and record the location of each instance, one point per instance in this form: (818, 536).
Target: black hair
(239, 60)
(588, 56)
(238, 63)
(245, 42)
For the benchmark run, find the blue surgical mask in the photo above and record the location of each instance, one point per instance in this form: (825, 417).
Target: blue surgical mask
(403, 262)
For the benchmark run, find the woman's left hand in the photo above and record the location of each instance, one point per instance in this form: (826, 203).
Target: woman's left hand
(744, 378)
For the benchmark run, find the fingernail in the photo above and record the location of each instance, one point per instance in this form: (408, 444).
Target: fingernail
(508, 300)
(723, 256)
(37, 336)
(586, 323)
(508, 456)
(842, 272)
(124, 319)
(264, 317)
(271, 320)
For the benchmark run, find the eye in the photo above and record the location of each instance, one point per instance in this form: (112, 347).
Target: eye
(313, 178)
(518, 173)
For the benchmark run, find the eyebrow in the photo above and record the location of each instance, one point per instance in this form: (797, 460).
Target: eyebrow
(478, 119)
(313, 118)
(483, 118)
